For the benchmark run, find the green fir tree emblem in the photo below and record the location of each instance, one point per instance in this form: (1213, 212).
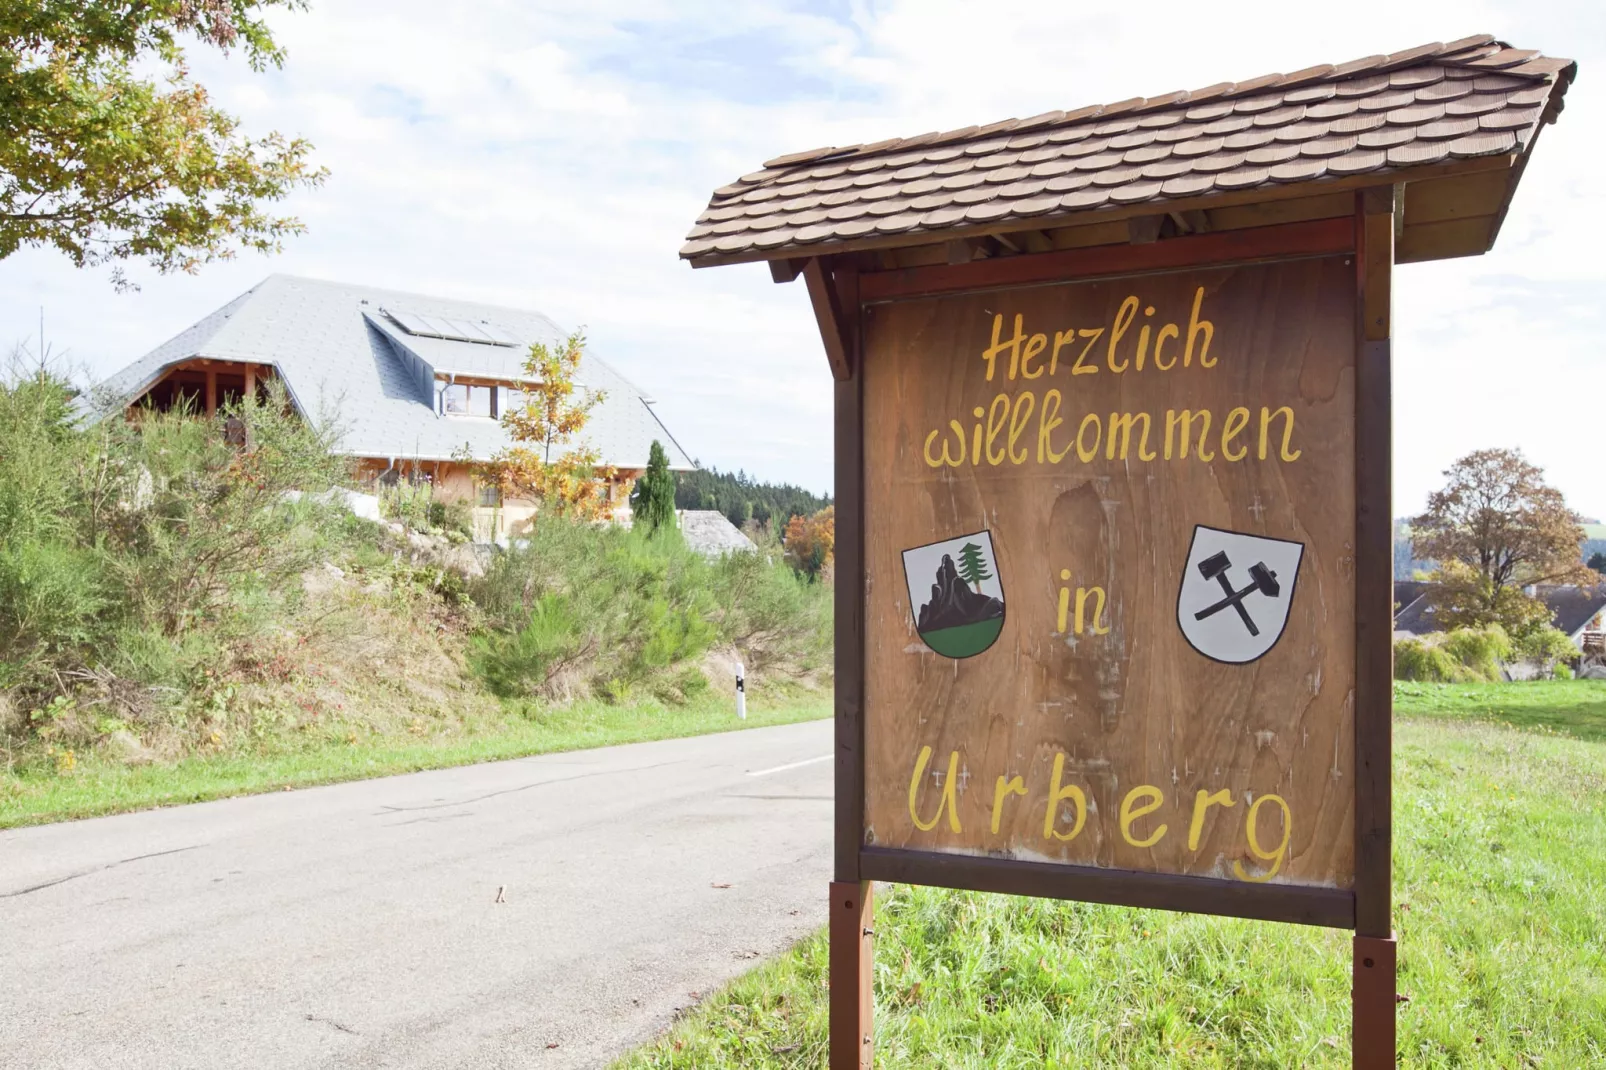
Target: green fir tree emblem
(973, 565)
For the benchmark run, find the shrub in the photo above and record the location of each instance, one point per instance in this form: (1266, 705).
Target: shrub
(417, 507)
(1478, 651)
(524, 660)
(1546, 645)
(772, 615)
(1415, 660)
(50, 604)
(638, 610)
(113, 529)
(207, 518)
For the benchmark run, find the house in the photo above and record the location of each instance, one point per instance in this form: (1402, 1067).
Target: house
(1578, 612)
(414, 384)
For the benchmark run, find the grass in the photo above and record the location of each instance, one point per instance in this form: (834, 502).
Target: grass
(1500, 852)
(96, 785)
(1574, 707)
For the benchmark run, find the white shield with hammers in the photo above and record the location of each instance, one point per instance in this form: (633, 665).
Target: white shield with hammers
(1233, 601)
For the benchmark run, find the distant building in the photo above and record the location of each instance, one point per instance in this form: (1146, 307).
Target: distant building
(709, 533)
(413, 383)
(1579, 612)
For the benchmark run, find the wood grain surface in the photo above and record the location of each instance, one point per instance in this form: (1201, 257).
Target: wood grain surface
(1128, 704)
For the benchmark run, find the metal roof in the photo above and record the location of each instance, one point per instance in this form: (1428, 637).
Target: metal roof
(344, 361)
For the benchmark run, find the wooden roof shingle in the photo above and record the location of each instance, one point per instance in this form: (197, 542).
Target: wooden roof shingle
(1434, 104)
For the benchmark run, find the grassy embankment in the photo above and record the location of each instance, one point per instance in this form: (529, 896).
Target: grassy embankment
(100, 785)
(1500, 853)
(183, 615)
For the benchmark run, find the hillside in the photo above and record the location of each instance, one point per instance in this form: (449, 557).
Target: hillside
(169, 599)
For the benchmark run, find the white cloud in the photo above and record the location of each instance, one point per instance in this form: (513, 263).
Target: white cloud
(553, 155)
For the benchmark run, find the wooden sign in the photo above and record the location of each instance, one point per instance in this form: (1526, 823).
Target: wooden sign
(1109, 548)
(1113, 527)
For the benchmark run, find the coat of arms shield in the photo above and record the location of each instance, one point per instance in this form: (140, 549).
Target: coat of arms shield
(955, 594)
(1236, 590)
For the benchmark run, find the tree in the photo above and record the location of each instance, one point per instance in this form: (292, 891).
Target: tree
(575, 484)
(811, 543)
(1597, 561)
(653, 501)
(1495, 527)
(740, 513)
(109, 152)
(709, 488)
(973, 566)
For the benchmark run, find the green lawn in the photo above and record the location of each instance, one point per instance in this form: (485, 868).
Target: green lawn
(1575, 707)
(97, 785)
(1500, 848)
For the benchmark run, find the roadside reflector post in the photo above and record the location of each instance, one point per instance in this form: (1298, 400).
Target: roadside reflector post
(741, 693)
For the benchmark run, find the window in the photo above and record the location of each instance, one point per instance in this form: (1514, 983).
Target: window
(461, 399)
(513, 399)
(490, 495)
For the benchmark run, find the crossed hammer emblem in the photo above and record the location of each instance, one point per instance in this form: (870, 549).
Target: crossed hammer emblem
(1261, 579)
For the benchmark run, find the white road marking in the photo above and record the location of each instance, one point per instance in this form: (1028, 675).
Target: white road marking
(794, 765)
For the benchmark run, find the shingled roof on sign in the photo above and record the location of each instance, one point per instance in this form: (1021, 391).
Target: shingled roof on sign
(1470, 106)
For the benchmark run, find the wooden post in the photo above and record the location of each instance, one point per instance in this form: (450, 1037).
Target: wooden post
(852, 969)
(835, 295)
(1372, 997)
(250, 384)
(211, 391)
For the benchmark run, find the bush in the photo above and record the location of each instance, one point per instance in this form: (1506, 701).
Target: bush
(522, 661)
(1546, 645)
(116, 528)
(1415, 660)
(636, 611)
(1478, 651)
(772, 615)
(417, 507)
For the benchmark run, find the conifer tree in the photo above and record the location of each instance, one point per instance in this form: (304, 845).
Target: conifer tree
(653, 500)
(973, 566)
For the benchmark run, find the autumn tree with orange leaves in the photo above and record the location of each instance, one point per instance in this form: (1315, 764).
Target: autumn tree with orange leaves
(811, 543)
(556, 410)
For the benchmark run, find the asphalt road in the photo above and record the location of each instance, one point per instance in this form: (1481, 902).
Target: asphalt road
(358, 925)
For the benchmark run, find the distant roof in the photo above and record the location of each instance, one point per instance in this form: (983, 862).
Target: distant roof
(346, 354)
(1476, 97)
(708, 532)
(1413, 611)
(1408, 591)
(1571, 608)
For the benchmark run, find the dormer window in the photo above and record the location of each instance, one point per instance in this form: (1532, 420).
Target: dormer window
(468, 399)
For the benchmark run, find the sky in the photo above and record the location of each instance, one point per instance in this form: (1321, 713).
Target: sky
(552, 154)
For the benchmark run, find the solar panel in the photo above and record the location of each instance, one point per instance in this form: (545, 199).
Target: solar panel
(451, 329)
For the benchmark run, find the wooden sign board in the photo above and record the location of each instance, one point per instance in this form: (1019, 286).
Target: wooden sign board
(1109, 546)
(1114, 599)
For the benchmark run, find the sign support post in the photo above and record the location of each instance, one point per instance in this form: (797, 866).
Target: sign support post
(835, 296)
(1372, 1012)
